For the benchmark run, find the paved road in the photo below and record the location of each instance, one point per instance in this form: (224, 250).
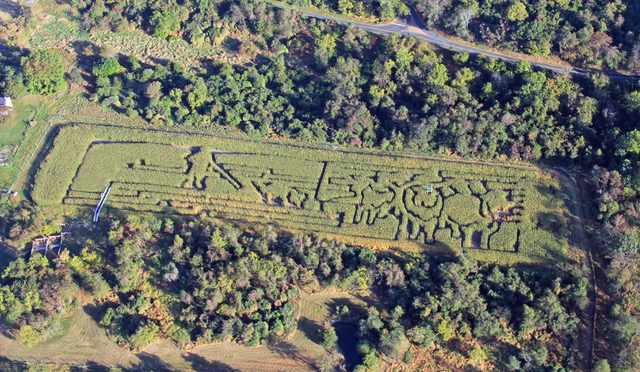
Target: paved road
(412, 25)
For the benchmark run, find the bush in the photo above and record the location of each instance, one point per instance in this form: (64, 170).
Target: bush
(601, 366)
(107, 67)
(144, 335)
(408, 357)
(330, 338)
(44, 72)
(29, 336)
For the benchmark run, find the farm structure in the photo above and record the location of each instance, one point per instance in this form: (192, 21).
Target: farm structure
(499, 212)
(6, 102)
(51, 243)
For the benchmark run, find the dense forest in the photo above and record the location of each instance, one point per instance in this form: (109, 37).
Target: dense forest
(197, 281)
(312, 81)
(602, 33)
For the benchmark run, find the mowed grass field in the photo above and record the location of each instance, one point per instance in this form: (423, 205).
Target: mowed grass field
(12, 130)
(499, 212)
(12, 136)
(86, 342)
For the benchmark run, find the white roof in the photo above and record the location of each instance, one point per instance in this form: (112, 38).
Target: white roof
(6, 101)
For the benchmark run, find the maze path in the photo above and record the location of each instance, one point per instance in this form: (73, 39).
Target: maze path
(359, 200)
(449, 205)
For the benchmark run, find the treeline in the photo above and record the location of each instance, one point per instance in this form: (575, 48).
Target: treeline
(197, 282)
(603, 33)
(405, 96)
(21, 222)
(385, 10)
(206, 21)
(619, 210)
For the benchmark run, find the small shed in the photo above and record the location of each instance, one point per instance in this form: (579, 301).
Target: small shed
(6, 102)
(429, 189)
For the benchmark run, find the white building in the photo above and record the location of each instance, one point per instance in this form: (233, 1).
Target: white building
(6, 101)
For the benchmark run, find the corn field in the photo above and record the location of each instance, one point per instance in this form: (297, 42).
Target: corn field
(497, 212)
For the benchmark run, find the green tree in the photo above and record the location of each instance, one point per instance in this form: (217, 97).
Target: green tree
(601, 366)
(633, 101)
(408, 357)
(329, 338)
(144, 335)
(345, 6)
(29, 336)
(513, 364)
(164, 23)
(43, 72)
(517, 12)
(107, 67)
(438, 75)
(445, 330)
(629, 143)
(325, 48)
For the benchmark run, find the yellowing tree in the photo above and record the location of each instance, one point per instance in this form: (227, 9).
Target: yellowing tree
(517, 12)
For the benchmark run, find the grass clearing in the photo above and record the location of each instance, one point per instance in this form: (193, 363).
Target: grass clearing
(12, 130)
(86, 342)
(58, 32)
(498, 212)
(13, 138)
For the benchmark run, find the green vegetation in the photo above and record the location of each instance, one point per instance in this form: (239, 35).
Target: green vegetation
(43, 72)
(588, 33)
(384, 10)
(107, 67)
(246, 66)
(509, 214)
(199, 281)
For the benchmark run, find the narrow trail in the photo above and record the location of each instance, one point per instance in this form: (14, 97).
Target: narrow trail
(582, 242)
(413, 26)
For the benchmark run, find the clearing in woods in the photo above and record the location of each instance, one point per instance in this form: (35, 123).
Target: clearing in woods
(494, 211)
(86, 342)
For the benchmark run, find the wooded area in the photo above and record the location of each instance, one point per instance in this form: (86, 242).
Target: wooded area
(197, 281)
(313, 81)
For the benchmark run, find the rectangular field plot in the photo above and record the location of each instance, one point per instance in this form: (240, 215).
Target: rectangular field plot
(498, 212)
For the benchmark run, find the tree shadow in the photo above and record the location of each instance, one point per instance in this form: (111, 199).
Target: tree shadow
(200, 363)
(93, 311)
(290, 351)
(10, 7)
(6, 332)
(231, 44)
(152, 363)
(311, 329)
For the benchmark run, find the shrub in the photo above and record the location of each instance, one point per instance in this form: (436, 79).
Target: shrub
(330, 338)
(43, 72)
(107, 67)
(28, 336)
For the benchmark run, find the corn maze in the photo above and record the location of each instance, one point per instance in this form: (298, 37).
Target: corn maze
(496, 212)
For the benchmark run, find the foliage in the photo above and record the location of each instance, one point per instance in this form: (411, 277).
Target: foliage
(107, 67)
(329, 338)
(197, 281)
(28, 336)
(601, 366)
(583, 33)
(43, 72)
(36, 295)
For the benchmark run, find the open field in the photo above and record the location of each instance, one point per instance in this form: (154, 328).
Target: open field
(498, 212)
(86, 342)
(13, 139)
(12, 130)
